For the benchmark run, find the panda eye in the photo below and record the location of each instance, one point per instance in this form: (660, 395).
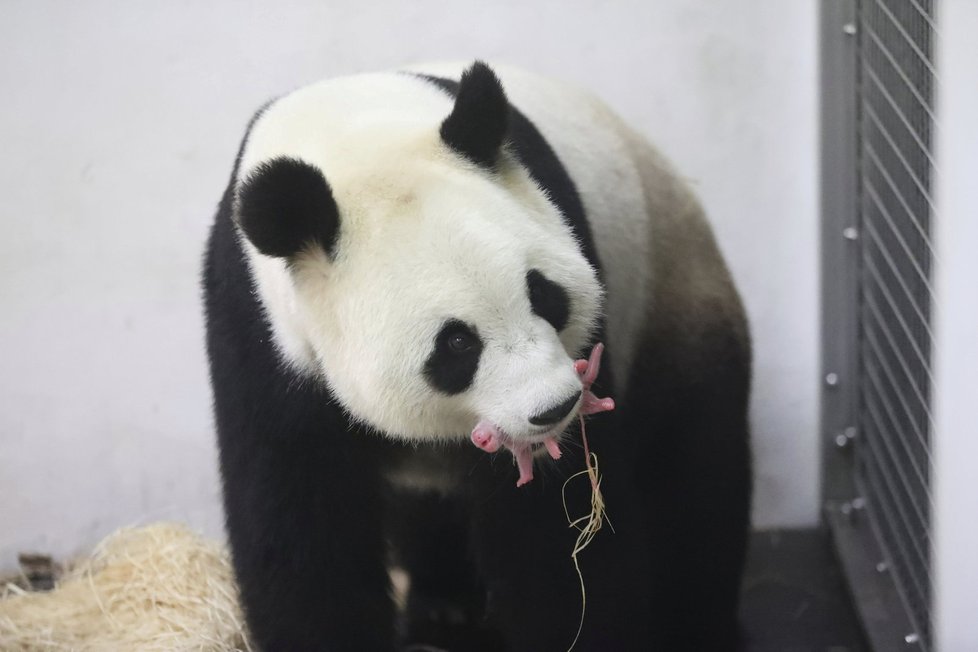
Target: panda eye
(460, 342)
(458, 339)
(454, 360)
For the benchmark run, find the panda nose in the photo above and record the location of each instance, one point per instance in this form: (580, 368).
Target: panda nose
(556, 413)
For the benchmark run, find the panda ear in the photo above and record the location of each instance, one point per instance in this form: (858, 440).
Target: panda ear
(285, 206)
(477, 125)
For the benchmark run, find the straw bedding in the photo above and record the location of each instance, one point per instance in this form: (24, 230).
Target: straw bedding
(159, 587)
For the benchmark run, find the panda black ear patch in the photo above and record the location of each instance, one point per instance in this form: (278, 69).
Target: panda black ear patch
(477, 126)
(285, 206)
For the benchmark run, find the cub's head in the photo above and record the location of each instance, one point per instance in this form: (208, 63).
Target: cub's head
(404, 256)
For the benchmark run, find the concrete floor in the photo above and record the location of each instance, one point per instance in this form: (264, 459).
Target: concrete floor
(794, 598)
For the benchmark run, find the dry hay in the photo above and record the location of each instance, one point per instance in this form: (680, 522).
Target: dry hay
(159, 587)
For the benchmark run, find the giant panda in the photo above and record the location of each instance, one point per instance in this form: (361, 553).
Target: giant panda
(401, 256)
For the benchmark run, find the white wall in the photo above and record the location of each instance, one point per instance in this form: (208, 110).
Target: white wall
(119, 123)
(956, 315)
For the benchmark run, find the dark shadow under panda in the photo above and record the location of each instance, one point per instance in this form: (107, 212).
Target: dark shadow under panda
(399, 256)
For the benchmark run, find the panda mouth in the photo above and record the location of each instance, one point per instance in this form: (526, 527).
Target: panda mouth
(490, 438)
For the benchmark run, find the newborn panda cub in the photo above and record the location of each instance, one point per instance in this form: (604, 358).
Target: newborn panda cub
(406, 285)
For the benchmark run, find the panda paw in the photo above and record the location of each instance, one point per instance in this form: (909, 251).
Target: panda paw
(439, 625)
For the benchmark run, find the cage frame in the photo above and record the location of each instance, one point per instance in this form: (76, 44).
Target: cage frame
(883, 611)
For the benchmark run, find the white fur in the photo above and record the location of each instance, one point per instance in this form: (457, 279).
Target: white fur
(424, 238)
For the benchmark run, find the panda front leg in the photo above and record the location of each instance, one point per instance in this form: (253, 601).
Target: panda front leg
(691, 426)
(304, 522)
(445, 605)
(523, 545)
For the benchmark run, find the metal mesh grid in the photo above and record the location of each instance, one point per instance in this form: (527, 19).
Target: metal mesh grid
(896, 79)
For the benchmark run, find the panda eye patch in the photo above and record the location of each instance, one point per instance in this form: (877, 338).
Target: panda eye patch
(547, 299)
(452, 364)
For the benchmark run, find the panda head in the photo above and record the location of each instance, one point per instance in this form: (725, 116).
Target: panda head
(404, 256)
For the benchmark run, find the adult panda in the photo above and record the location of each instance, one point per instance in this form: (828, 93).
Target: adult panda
(399, 257)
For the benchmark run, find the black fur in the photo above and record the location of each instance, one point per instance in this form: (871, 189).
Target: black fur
(548, 300)
(309, 516)
(286, 205)
(688, 400)
(448, 369)
(477, 124)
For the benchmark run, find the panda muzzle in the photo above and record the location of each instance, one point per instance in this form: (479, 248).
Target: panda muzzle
(490, 438)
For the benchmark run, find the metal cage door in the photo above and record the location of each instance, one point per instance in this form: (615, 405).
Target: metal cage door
(878, 82)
